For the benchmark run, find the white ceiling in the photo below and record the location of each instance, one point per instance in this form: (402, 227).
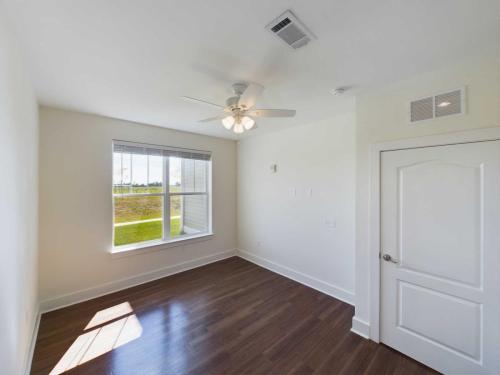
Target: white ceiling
(132, 59)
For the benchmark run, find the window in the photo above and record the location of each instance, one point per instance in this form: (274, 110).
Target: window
(159, 193)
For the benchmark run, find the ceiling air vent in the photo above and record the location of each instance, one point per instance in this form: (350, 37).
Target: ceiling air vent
(440, 105)
(290, 30)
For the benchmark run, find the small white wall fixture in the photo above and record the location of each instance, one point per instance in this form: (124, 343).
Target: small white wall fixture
(479, 135)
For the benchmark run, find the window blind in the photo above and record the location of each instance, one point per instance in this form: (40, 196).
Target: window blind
(144, 149)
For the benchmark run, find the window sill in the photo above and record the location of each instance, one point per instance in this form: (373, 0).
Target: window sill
(152, 246)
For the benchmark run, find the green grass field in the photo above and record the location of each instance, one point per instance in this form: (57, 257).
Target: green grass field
(143, 189)
(127, 234)
(139, 208)
(137, 189)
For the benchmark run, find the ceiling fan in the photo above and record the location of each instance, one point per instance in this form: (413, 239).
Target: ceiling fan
(239, 113)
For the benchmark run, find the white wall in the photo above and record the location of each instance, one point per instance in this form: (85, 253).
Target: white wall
(76, 204)
(381, 115)
(274, 225)
(18, 206)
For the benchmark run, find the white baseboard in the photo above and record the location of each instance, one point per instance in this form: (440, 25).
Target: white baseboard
(300, 277)
(34, 335)
(115, 286)
(360, 327)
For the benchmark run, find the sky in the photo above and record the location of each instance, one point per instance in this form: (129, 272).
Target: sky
(128, 167)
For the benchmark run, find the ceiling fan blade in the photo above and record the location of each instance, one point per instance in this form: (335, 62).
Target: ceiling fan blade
(250, 95)
(271, 112)
(194, 100)
(213, 118)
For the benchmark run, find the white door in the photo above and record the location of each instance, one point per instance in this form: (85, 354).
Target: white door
(440, 237)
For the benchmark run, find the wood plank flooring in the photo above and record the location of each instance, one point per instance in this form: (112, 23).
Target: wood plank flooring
(229, 317)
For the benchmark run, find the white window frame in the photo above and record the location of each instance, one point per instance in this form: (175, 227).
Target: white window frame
(166, 194)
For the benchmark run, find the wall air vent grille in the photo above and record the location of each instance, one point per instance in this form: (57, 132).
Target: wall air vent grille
(440, 105)
(290, 30)
(448, 104)
(422, 109)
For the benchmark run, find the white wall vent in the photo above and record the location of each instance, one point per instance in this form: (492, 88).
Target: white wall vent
(422, 109)
(445, 104)
(290, 30)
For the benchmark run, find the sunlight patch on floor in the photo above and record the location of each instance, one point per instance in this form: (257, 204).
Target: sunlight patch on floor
(109, 314)
(98, 341)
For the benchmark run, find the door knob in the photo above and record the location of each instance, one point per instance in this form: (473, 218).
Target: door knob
(388, 258)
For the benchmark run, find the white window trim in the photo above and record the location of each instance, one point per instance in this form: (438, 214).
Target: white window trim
(153, 246)
(166, 242)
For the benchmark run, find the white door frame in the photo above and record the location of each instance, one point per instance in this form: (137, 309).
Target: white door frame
(477, 135)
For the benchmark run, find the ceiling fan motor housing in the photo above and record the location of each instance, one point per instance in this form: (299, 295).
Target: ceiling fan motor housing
(239, 88)
(232, 102)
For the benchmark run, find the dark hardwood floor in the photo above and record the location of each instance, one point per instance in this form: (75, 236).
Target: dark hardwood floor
(229, 317)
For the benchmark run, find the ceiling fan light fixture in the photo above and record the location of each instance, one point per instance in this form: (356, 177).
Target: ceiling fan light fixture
(239, 112)
(228, 122)
(238, 128)
(248, 122)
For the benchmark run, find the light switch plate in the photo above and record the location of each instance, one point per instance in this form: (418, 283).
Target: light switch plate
(331, 223)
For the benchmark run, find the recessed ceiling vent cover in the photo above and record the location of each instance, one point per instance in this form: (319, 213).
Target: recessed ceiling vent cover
(445, 104)
(290, 30)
